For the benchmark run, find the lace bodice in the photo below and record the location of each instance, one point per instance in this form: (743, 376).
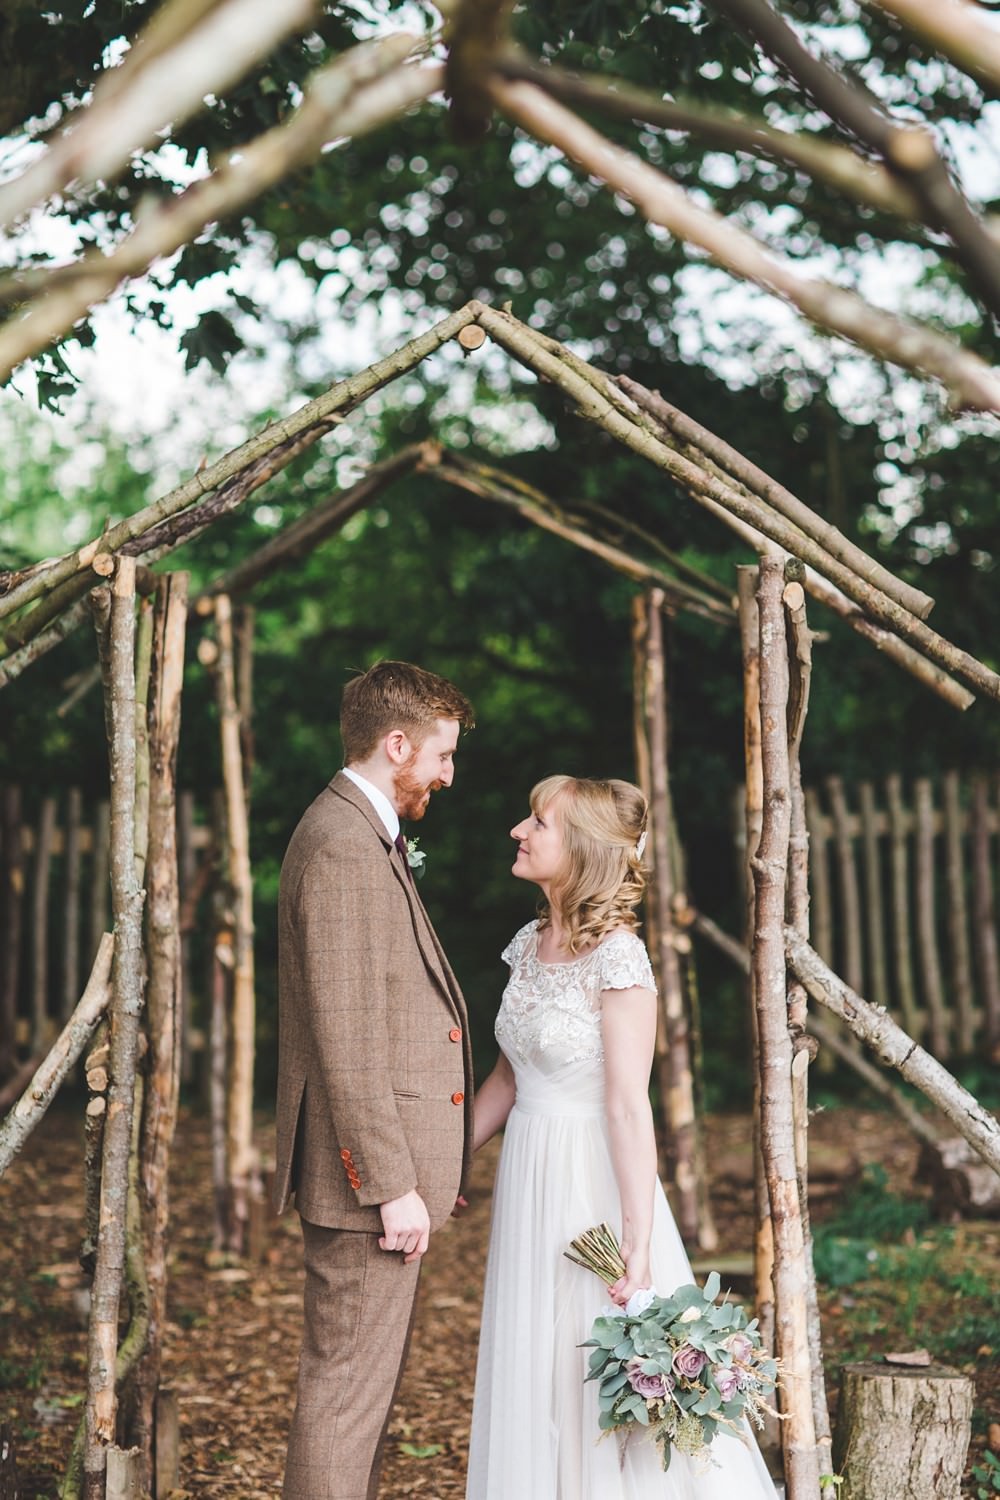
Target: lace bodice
(550, 1014)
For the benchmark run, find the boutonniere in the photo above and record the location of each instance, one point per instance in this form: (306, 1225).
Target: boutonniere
(416, 858)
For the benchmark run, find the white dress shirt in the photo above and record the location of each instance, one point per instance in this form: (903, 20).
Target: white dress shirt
(378, 800)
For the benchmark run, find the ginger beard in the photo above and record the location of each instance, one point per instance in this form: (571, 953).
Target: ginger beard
(411, 794)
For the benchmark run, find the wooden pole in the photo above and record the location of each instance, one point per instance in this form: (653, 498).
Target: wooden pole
(186, 866)
(126, 1007)
(71, 917)
(163, 1002)
(239, 1128)
(763, 1256)
(902, 943)
(769, 866)
(13, 906)
(983, 916)
(676, 1083)
(958, 917)
(99, 874)
(850, 896)
(827, 1034)
(799, 639)
(819, 875)
(37, 1097)
(927, 947)
(897, 1049)
(216, 1073)
(40, 926)
(874, 905)
(143, 656)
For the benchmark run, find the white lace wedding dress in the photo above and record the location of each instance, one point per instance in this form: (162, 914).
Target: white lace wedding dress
(534, 1421)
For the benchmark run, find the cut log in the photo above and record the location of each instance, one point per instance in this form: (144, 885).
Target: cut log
(168, 1445)
(902, 1431)
(962, 1183)
(123, 1481)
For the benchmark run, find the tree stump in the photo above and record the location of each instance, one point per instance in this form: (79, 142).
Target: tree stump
(902, 1431)
(10, 1487)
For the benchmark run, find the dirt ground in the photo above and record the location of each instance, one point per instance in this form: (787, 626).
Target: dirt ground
(233, 1332)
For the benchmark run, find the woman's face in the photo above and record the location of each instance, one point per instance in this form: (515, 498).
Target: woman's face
(539, 845)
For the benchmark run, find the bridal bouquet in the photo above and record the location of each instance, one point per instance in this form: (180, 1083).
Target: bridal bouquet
(682, 1367)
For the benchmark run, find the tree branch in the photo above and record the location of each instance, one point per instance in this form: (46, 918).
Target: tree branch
(826, 161)
(363, 89)
(340, 398)
(970, 381)
(163, 80)
(908, 151)
(954, 28)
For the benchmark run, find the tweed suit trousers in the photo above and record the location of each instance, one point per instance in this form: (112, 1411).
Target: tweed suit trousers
(359, 1305)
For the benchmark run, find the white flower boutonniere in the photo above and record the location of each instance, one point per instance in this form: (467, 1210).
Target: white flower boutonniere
(416, 858)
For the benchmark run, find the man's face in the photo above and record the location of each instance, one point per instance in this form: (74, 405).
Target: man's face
(427, 770)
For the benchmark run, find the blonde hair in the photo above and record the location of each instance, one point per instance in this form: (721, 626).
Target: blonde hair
(602, 877)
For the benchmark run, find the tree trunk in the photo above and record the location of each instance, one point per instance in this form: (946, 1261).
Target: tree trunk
(242, 1163)
(902, 1431)
(25, 1115)
(163, 994)
(769, 866)
(126, 1007)
(763, 1248)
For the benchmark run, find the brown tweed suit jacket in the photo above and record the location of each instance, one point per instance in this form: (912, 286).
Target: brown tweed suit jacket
(374, 1062)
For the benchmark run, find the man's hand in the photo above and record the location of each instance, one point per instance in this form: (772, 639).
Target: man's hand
(407, 1226)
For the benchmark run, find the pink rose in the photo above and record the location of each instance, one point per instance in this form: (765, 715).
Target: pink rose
(726, 1381)
(655, 1385)
(739, 1347)
(689, 1362)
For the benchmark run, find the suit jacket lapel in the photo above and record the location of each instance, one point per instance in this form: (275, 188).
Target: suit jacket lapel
(427, 940)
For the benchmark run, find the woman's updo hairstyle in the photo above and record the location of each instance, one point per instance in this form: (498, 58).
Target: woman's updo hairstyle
(602, 876)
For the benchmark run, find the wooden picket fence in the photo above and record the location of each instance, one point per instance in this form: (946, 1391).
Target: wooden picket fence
(902, 883)
(55, 903)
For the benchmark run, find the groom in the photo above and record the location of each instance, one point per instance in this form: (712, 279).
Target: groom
(374, 1071)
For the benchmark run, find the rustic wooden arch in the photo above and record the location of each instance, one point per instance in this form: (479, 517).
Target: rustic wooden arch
(798, 552)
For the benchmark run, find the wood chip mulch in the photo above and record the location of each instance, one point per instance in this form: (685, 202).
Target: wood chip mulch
(233, 1331)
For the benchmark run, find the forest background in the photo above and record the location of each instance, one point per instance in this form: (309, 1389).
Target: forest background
(383, 235)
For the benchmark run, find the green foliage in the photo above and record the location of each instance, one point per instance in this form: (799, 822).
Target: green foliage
(845, 1245)
(986, 1473)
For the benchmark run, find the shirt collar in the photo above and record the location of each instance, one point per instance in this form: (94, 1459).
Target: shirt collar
(378, 800)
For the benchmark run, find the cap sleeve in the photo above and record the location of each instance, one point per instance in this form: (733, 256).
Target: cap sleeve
(514, 950)
(624, 963)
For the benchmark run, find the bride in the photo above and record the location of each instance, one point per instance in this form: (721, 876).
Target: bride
(576, 1028)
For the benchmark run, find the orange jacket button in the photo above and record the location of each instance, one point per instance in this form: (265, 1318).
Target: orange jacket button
(457, 1098)
(355, 1181)
(454, 1034)
(345, 1155)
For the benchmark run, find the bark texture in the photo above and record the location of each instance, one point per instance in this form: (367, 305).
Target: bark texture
(902, 1432)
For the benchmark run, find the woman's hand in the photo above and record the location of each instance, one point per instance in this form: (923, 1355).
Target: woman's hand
(637, 1276)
